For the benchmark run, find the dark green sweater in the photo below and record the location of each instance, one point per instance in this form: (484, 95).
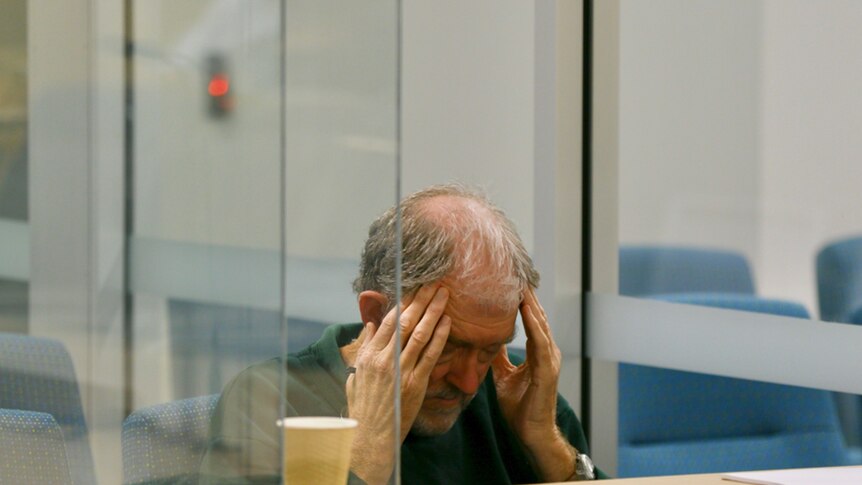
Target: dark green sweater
(244, 439)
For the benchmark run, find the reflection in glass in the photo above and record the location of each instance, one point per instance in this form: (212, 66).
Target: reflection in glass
(37, 375)
(14, 240)
(237, 243)
(206, 252)
(254, 168)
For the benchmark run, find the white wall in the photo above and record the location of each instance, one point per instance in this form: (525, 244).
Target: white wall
(811, 148)
(689, 97)
(341, 117)
(738, 123)
(217, 181)
(186, 162)
(468, 100)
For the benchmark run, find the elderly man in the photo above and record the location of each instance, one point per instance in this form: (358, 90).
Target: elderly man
(468, 413)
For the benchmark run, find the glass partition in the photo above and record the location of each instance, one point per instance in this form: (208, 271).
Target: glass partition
(724, 162)
(206, 215)
(264, 145)
(187, 190)
(735, 180)
(502, 116)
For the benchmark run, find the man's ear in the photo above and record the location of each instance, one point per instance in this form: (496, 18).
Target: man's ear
(372, 306)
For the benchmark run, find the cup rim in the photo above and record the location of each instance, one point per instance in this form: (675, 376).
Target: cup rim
(317, 422)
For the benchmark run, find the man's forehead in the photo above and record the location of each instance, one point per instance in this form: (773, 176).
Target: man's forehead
(467, 299)
(482, 333)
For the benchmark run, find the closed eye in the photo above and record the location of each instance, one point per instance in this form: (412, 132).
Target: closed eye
(487, 354)
(447, 353)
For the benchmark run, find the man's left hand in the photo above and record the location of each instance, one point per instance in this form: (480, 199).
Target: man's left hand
(528, 395)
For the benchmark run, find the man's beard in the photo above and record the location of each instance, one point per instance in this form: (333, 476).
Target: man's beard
(434, 420)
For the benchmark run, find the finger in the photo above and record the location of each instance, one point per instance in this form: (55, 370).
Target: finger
(387, 327)
(532, 302)
(538, 311)
(370, 330)
(538, 342)
(383, 332)
(431, 353)
(542, 353)
(349, 388)
(531, 323)
(538, 304)
(433, 299)
(424, 331)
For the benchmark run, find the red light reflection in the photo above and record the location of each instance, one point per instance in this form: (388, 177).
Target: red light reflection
(219, 85)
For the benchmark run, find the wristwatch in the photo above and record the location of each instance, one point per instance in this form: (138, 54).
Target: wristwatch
(584, 468)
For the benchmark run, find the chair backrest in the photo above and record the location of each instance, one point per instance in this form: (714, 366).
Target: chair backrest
(839, 279)
(850, 407)
(656, 270)
(33, 449)
(166, 441)
(36, 374)
(674, 422)
(839, 295)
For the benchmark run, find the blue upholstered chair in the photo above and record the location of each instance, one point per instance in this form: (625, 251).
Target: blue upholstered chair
(33, 449)
(855, 316)
(165, 442)
(839, 279)
(839, 294)
(673, 422)
(655, 270)
(850, 408)
(36, 374)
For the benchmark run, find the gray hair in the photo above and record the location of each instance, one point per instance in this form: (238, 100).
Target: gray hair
(463, 236)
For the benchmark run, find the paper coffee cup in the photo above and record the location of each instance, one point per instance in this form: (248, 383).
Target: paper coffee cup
(317, 450)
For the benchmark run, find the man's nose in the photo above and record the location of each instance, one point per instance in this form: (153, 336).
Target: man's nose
(464, 372)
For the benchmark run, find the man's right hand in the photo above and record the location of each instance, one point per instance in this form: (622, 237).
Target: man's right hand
(370, 390)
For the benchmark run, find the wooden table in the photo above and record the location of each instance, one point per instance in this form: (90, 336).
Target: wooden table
(702, 479)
